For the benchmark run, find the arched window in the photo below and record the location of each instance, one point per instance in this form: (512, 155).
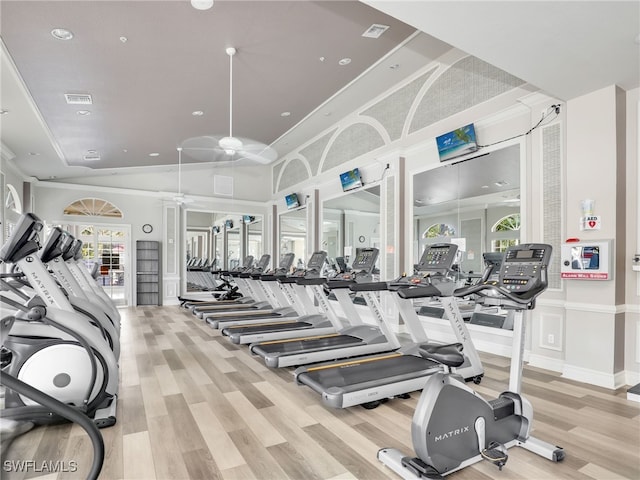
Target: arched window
(93, 207)
(13, 199)
(439, 230)
(508, 229)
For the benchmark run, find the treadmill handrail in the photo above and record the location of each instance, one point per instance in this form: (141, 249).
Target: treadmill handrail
(369, 287)
(420, 291)
(311, 281)
(523, 298)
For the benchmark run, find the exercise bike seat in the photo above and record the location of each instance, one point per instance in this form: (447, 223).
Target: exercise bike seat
(449, 355)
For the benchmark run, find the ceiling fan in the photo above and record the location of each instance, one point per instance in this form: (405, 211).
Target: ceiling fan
(228, 149)
(179, 197)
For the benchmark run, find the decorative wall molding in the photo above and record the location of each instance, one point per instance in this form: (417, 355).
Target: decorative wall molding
(439, 91)
(595, 308)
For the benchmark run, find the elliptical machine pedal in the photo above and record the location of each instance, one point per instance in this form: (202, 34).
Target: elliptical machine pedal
(496, 453)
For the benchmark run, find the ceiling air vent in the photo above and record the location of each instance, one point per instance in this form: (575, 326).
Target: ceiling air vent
(78, 98)
(91, 157)
(375, 30)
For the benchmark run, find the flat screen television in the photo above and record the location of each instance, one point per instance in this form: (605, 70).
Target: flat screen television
(459, 142)
(350, 179)
(292, 200)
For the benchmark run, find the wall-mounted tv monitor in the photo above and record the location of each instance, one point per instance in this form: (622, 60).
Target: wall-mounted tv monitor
(292, 200)
(248, 218)
(228, 224)
(459, 142)
(350, 180)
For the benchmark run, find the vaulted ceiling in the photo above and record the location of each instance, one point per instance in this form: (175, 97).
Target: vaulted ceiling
(148, 65)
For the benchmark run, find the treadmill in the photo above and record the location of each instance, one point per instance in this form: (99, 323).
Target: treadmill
(222, 291)
(251, 297)
(268, 315)
(369, 380)
(354, 340)
(314, 324)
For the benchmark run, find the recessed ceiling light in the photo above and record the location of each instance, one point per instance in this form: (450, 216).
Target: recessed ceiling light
(285, 114)
(62, 34)
(154, 154)
(344, 61)
(123, 39)
(484, 186)
(375, 30)
(4, 112)
(92, 152)
(202, 4)
(52, 177)
(197, 113)
(500, 183)
(322, 59)
(34, 154)
(125, 150)
(83, 113)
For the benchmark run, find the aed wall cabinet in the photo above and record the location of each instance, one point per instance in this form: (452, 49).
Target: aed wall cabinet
(591, 260)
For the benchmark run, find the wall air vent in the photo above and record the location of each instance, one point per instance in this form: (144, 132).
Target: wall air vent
(78, 99)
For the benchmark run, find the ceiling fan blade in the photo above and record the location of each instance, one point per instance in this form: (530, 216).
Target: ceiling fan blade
(254, 157)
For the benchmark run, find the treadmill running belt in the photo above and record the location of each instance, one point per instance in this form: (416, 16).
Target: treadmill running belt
(307, 345)
(240, 316)
(274, 327)
(351, 373)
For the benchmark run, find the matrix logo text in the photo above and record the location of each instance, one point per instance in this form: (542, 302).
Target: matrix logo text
(24, 466)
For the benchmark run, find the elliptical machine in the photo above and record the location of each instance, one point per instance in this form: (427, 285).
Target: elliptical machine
(54, 406)
(453, 427)
(52, 347)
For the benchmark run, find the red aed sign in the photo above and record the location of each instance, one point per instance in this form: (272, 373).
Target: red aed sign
(585, 275)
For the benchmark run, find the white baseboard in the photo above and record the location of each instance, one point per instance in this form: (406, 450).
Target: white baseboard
(540, 361)
(632, 378)
(633, 397)
(594, 377)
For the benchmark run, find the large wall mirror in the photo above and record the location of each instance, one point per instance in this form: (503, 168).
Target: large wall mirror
(293, 234)
(474, 203)
(351, 221)
(210, 236)
(198, 238)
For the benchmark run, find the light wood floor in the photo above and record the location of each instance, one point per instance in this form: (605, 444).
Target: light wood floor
(192, 405)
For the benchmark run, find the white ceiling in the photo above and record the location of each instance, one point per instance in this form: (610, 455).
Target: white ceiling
(565, 48)
(173, 63)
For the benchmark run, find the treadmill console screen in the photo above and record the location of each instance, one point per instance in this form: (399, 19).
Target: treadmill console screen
(366, 259)
(248, 261)
(316, 261)
(525, 267)
(438, 257)
(263, 262)
(286, 261)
